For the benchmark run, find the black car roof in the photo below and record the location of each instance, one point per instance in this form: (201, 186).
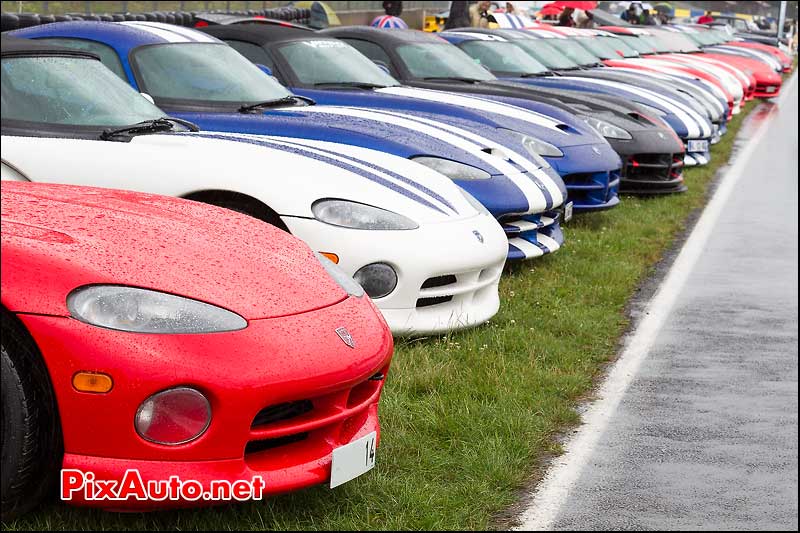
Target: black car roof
(383, 35)
(14, 46)
(261, 34)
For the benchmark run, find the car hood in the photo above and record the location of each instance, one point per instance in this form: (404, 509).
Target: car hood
(288, 175)
(58, 237)
(541, 120)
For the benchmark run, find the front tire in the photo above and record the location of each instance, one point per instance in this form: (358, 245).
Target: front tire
(29, 428)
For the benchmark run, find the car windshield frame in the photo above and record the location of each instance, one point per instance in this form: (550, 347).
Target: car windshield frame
(381, 78)
(535, 66)
(275, 91)
(478, 72)
(118, 96)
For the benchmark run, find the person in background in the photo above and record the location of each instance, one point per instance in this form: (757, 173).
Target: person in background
(566, 17)
(584, 19)
(706, 19)
(663, 17)
(510, 8)
(479, 14)
(647, 19)
(629, 15)
(459, 16)
(393, 10)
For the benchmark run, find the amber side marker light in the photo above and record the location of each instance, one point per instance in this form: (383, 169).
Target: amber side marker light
(333, 257)
(92, 382)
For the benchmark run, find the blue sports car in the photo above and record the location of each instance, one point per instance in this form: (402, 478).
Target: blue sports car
(198, 78)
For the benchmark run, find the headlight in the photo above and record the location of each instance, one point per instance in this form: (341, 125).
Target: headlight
(606, 129)
(479, 207)
(453, 169)
(359, 216)
(652, 110)
(339, 276)
(145, 311)
(536, 147)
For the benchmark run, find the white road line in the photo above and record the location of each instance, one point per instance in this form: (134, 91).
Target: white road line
(553, 491)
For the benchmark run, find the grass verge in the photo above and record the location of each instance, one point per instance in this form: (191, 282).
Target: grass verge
(466, 418)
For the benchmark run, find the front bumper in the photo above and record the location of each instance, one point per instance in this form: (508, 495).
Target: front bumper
(652, 163)
(591, 174)
(447, 273)
(272, 362)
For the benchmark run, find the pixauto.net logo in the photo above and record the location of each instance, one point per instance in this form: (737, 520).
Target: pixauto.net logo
(76, 484)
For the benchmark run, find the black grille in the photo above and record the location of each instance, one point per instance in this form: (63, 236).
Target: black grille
(282, 411)
(268, 444)
(436, 300)
(439, 281)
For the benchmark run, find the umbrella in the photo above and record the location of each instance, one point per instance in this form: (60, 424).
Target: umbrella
(388, 21)
(550, 9)
(577, 5)
(664, 7)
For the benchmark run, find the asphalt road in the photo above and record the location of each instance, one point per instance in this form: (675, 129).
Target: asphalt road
(705, 437)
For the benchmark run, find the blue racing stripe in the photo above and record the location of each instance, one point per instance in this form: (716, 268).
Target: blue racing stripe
(307, 153)
(548, 198)
(395, 175)
(141, 24)
(530, 236)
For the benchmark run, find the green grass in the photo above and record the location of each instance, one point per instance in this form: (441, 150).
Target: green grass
(468, 418)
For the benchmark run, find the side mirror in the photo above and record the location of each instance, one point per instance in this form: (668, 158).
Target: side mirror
(148, 98)
(383, 66)
(265, 69)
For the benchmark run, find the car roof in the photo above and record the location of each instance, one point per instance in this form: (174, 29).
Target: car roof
(129, 34)
(384, 35)
(262, 34)
(14, 46)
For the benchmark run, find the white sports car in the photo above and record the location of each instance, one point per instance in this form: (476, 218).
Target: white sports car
(425, 251)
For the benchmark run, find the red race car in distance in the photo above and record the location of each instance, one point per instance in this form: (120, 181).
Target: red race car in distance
(150, 340)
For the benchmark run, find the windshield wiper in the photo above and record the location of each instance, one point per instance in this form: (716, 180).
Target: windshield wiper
(278, 102)
(146, 127)
(450, 78)
(348, 84)
(534, 74)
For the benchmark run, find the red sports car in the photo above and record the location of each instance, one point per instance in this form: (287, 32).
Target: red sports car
(167, 353)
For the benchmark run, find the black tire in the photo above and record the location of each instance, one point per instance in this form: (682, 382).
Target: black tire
(29, 428)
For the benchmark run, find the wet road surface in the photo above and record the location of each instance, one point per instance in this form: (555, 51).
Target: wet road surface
(705, 435)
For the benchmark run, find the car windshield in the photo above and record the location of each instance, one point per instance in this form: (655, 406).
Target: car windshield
(638, 43)
(618, 45)
(677, 41)
(546, 53)
(320, 61)
(598, 47)
(658, 44)
(69, 91)
(574, 51)
(440, 61)
(503, 58)
(203, 73)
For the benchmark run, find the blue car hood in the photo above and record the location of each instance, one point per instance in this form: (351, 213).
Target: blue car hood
(557, 126)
